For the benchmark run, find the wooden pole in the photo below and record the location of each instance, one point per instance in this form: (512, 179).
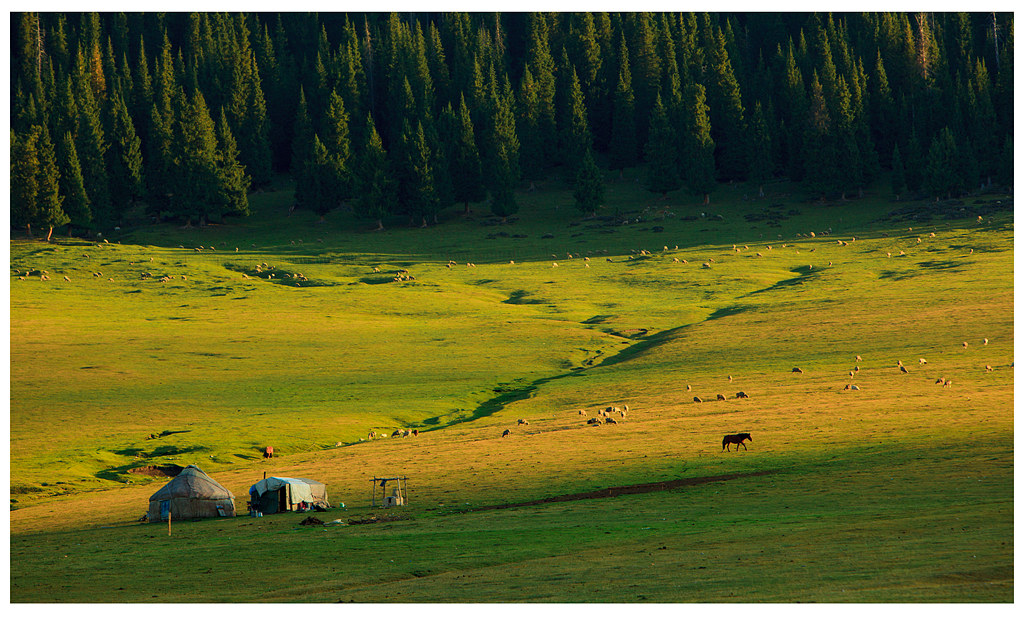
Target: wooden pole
(168, 523)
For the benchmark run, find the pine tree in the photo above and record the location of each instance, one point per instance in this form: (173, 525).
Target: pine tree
(232, 179)
(336, 141)
(504, 161)
(376, 187)
(465, 166)
(623, 144)
(124, 156)
(72, 186)
(760, 144)
(49, 202)
(662, 171)
(589, 191)
(820, 153)
(698, 144)
(417, 190)
(254, 132)
(301, 141)
(576, 137)
(727, 123)
(941, 177)
(542, 66)
(197, 186)
(92, 152)
(899, 180)
(532, 150)
(316, 181)
(24, 178)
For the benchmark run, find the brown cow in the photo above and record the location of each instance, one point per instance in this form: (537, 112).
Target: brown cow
(268, 452)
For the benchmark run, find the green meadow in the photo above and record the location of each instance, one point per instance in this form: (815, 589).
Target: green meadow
(306, 335)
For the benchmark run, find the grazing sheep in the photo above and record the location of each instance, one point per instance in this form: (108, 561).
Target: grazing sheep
(593, 421)
(397, 433)
(697, 399)
(720, 397)
(847, 387)
(965, 344)
(984, 341)
(371, 435)
(405, 433)
(851, 374)
(922, 361)
(625, 407)
(858, 357)
(741, 394)
(988, 367)
(796, 370)
(856, 369)
(582, 412)
(730, 377)
(855, 387)
(899, 363)
(904, 369)
(610, 421)
(948, 383)
(415, 432)
(506, 433)
(521, 422)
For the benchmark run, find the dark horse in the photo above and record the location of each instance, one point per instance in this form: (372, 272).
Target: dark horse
(739, 438)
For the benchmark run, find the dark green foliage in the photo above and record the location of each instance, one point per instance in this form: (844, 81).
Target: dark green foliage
(24, 174)
(49, 209)
(698, 145)
(1004, 175)
(124, 158)
(464, 161)
(72, 186)
(232, 179)
(899, 179)
(662, 159)
(883, 78)
(376, 188)
(941, 177)
(623, 144)
(760, 149)
(589, 191)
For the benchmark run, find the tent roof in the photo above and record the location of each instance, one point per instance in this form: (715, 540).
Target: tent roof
(302, 489)
(192, 483)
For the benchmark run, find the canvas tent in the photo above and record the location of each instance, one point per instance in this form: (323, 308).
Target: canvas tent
(190, 495)
(281, 494)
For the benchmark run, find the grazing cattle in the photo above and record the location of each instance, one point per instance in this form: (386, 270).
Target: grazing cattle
(415, 432)
(397, 433)
(697, 399)
(720, 397)
(796, 370)
(738, 438)
(521, 422)
(506, 433)
(740, 394)
(268, 452)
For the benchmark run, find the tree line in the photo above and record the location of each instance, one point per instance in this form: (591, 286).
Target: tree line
(183, 114)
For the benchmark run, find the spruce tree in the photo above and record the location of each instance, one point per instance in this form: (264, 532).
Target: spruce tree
(504, 160)
(576, 137)
(233, 180)
(940, 177)
(660, 151)
(533, 144)
(589, 191)
(377, 191)
(124, 157)
(317, 181)
(623, 144)
(197, 186)
(760, 145)
(899, 180)
(542, 66)
(338, 144)
(302, 143)
(1004, 174)
(820, 154)
(72, 186)
(465, 166)
(727, 122)
(92, 152)
(698, 144)
(24, 178)
(50, 209)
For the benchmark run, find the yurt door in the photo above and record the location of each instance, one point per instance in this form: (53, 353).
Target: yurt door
(165, 508)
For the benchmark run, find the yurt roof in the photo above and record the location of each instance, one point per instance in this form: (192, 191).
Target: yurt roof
(192, 483)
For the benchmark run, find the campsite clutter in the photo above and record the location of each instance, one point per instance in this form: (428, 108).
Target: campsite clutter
(287, 494)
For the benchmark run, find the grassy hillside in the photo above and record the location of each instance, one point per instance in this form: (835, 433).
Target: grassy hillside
(303, 339)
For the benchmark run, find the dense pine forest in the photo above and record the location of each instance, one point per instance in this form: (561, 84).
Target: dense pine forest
(127, 117)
